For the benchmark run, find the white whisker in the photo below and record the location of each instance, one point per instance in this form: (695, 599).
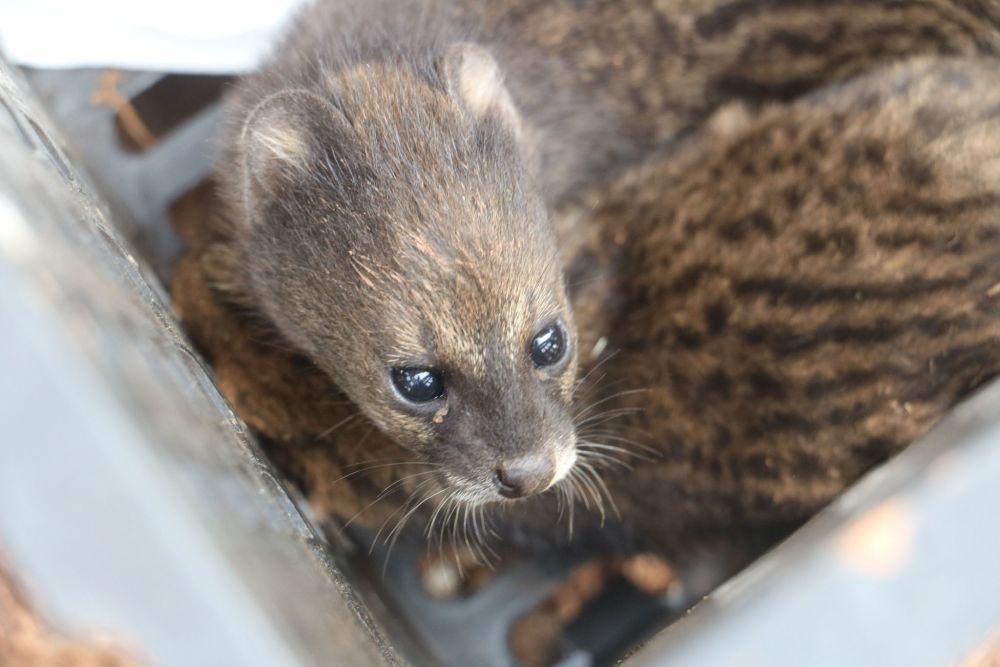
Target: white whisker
(333, 428)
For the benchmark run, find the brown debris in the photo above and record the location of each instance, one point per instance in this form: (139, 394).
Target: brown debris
(986, 655)
(310, 430)
(131, 124)
(27, 641)
(534, 638)
(453, 572)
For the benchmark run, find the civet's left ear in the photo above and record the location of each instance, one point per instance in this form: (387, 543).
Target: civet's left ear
(474, 80)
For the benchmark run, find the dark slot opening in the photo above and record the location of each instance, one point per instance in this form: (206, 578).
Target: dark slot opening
(166, 105)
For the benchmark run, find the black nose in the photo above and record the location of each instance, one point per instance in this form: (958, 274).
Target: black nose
(523, 477)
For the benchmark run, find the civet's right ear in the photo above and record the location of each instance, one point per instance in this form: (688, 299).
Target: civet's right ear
(288, 135)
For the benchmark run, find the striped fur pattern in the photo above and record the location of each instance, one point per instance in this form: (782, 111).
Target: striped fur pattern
(652, 70)
(798, 294)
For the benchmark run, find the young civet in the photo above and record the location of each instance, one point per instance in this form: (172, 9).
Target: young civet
(384, 218)
(387, 183)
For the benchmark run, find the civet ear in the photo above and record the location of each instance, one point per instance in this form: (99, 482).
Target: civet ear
(474, 80)
(286, 135)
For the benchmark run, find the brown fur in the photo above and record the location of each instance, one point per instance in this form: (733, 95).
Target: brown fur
(365, 175)
(800, 295)
(662, 67)
(800, 298)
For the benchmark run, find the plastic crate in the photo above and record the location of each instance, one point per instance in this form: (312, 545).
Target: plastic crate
(134, 502)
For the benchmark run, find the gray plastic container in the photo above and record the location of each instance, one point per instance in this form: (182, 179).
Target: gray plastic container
(134, 503)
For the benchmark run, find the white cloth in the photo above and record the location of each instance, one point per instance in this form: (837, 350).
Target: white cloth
(196, 36)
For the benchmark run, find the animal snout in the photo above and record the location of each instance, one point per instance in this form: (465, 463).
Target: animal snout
(522, 477)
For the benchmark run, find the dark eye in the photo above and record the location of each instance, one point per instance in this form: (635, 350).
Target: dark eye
(548, 347)
(418, 385)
